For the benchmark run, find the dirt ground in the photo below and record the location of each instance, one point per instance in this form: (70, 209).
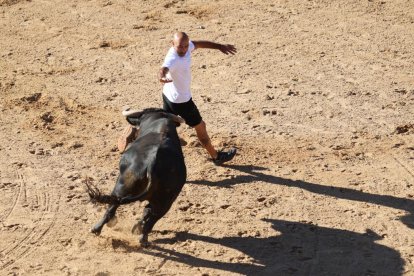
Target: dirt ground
(319, 102)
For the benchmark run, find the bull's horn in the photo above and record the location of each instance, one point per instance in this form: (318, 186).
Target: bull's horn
(129, 112)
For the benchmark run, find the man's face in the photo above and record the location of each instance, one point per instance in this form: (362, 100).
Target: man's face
(181, 46)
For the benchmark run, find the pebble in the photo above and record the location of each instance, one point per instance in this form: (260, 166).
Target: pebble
(104, 44)
(76, 145)
(245, 91)
(40, 151)
(292, 93)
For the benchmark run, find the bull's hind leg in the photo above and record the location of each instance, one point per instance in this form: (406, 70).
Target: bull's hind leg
(138, 228)
(152, 213)
(109, 214)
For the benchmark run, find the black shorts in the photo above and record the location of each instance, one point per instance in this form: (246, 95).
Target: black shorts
(188, 111)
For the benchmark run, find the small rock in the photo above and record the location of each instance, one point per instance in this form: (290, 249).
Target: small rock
(245, 91)
(400, 90)
(104, 44)
(76, 145)
(292, 93)
(100, 80)
(47, 117)
(55, 145)
(40, 151)
(404, 128)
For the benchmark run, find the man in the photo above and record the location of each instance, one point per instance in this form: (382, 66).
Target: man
(175, 74)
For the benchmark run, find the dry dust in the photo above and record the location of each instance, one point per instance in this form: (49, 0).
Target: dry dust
(319, 101)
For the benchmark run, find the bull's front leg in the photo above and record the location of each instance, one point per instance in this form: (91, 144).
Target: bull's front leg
(109, 214)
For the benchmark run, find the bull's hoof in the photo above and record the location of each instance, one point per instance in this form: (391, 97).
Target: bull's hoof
(143, 240)
(112, 222)
(137, 228)
(96, 231)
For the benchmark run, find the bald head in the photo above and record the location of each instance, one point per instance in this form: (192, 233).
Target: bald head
(180, 43)
(179, 36)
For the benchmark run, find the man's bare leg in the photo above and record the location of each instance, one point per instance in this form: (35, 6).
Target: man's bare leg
(219, 157)
(204, 139)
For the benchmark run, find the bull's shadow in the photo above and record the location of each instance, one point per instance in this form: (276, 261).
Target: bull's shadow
(299, 249)
(254, 173)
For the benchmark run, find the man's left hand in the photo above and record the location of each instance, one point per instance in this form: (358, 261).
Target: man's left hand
(227, 49)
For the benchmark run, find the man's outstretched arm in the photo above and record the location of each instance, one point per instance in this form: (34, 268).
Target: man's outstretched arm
(224, 48)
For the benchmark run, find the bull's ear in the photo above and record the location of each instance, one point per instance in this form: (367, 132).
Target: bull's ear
(133, 121)
(132, 116)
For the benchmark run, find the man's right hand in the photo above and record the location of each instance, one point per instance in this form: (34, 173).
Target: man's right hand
(163, 75)
(165, 80)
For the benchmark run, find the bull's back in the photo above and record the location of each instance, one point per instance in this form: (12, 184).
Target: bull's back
(155, 158)
(169, 165)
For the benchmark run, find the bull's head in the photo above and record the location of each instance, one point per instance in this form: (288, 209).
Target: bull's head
(134, 116)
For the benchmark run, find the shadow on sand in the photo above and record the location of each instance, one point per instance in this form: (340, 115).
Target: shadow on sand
(300, 249)
(253, 173)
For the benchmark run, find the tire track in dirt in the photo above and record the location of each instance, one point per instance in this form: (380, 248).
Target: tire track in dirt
(33, 232)
(22, 190)
(403, 166)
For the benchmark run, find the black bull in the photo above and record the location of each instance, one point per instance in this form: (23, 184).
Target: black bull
(151, 169)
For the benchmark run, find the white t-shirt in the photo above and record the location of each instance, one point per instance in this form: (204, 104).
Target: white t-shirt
(178, 91)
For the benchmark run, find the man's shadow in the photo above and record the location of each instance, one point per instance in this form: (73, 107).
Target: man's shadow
(254, 173)
(299, 249)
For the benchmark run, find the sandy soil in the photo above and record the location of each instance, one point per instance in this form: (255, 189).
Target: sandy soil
(319, 101)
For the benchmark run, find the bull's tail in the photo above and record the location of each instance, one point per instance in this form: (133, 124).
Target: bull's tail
(97, 197)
